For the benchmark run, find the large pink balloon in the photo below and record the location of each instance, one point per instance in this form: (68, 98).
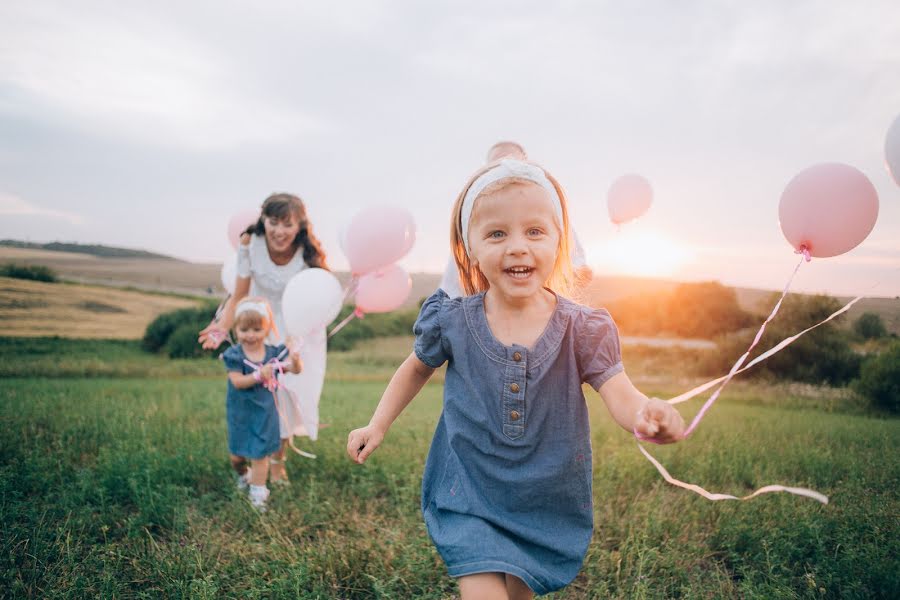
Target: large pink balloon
(238, 224)
(628, 198)
(383, 290)
(892, 150)
(828, 209)
(378, 236)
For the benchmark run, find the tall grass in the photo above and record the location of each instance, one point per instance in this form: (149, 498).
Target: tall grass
(120, 487)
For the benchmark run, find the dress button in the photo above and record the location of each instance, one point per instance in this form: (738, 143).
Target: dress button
(514, 415)
(514, 387)
(517, 356)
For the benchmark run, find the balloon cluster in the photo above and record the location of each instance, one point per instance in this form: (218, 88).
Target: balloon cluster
(373, 240)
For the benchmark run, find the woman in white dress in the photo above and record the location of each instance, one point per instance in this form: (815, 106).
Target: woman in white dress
(272, 250)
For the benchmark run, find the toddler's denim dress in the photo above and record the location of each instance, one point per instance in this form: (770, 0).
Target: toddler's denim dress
(507, 483)
(251, 412)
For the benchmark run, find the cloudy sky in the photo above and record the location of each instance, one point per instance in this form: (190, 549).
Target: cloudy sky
(147, 125)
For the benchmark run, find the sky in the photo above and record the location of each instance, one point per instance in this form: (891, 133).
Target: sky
(148, 125)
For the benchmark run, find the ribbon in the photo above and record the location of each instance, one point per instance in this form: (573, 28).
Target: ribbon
(356, 314)
(735, 370)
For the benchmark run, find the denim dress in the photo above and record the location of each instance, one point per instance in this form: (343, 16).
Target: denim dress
(251, 413)
(507, 483)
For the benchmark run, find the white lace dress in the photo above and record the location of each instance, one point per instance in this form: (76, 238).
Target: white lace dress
(299, 394)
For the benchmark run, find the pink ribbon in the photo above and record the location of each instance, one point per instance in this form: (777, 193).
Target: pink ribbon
(270, 384)
(736, 369)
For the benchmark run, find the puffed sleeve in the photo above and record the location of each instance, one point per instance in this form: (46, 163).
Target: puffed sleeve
(429, 346)
(598, 351)
(243, 260)
(234, 359)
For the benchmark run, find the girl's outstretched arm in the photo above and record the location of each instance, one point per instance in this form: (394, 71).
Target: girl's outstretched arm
(651, 417)
(404, 385)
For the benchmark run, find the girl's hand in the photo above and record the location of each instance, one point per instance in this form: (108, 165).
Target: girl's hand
(362, 442)
(659, 421)
(211, 336)
(266, 372)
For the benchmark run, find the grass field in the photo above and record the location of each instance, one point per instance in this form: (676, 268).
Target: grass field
(114, 483)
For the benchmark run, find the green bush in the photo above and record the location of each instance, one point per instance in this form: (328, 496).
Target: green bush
(183, 343)
(879, 379)
(399, 322)
(693, 310)
(823, 355)
(32, 272)
(161, 329)
(869, 326)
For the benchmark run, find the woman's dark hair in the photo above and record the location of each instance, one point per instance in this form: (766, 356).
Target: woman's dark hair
(279, 206)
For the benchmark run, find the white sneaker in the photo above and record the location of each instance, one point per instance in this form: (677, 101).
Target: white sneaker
(243, 481)
(258, 496)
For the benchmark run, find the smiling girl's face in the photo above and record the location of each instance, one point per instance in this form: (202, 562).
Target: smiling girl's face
(281, 232)
(514, 238)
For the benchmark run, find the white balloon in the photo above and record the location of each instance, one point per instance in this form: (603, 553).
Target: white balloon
(312, 299)
(229, 273)
(892, 150)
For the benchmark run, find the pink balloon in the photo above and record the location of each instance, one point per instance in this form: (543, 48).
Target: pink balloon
(628, 198)
(378, 236)
(828, 209)
(383, 290)
(238, 224)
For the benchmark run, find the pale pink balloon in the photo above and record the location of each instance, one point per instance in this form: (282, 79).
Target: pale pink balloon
(892, 150)
(383, 290)
(628, 198)
(828, 209)
(378, 236)
(238, 224)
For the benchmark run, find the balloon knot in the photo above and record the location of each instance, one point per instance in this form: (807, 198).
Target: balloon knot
(358, 313)
(804, 250)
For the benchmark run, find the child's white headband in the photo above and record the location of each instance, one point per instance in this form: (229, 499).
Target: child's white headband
(257, 307)
(507, 168)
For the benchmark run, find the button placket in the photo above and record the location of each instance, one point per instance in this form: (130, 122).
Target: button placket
(514, 396)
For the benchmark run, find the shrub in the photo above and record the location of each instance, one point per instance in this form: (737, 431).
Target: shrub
(182, 343)
(158, 332)
(694, 310)
(823, 355)
(869, 326)
(399, 322)
(32, 272)
(879, 379)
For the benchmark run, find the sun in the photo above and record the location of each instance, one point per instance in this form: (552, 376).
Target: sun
(639, 252)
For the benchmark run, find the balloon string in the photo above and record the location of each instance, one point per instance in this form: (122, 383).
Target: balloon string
(351, 288)
(357, 313)
(716, 496)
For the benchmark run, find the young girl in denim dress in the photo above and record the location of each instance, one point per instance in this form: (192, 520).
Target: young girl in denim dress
(250, 409)
(506, 493)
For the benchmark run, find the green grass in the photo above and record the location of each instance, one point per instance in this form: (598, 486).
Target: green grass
(119, 486)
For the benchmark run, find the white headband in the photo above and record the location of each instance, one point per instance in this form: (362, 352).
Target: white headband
(507, 168)
(257, 307)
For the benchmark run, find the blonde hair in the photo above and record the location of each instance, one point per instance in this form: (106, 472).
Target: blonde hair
(490, 153)
(471, 279)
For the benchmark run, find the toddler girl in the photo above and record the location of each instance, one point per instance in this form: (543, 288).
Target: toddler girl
(253, 365)
(506, 493)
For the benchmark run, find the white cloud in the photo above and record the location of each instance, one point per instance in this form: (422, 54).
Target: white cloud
(14, 206)
(130, 75)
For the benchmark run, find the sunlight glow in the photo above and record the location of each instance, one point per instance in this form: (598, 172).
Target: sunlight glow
(639, 252)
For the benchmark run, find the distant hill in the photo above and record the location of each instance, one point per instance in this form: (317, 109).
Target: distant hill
(149, 271)
(92, 249)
